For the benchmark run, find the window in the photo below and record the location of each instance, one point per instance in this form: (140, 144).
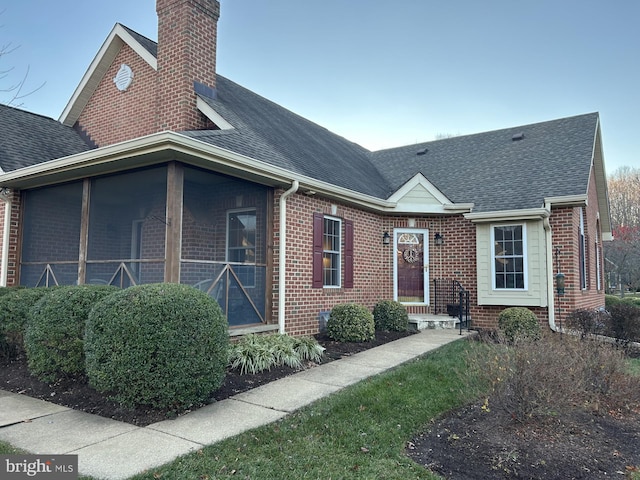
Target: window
(509, 262)
(598, 259)
(582, 243)
(331, 252)
(331, 249)
(241, 244)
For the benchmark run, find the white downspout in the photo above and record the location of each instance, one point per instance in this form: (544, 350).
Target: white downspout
(550, 289)
(4, 260)
(282, 254)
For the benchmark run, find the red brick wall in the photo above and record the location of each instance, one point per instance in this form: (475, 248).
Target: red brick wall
(373, 261)
(112, 116)
(565, 224)
(187, 31)
(373, 271)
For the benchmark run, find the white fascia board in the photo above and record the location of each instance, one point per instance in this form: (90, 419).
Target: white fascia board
(567, 201)
(507, 215)
(98, 67)
(212, 115)
(447, 209)
(137, 152)
(459, 207)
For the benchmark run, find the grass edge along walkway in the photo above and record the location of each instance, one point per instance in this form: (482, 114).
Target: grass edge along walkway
(359, 432)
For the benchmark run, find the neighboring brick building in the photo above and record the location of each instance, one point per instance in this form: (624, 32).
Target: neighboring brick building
(160, 170)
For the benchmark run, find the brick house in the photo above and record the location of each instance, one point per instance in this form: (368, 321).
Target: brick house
(161, 170)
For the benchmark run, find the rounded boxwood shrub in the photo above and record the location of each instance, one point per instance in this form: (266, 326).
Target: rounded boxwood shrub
(15, 305)
(611, 300)
(54, 335)
(350, 322)
(624, 323)
(161, 345)
(519, 323)
(389, 315)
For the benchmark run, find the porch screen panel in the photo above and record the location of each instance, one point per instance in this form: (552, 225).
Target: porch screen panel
(51, 235)
(224, 246)
(127, 228)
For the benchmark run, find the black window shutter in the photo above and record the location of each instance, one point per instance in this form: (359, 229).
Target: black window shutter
(348, 254)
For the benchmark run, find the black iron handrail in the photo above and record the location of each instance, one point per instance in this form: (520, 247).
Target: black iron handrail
(450, 297)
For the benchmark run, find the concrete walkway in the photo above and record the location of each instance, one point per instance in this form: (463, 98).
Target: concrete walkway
(108, 449)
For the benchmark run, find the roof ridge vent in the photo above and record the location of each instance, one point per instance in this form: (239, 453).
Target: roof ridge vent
(517, 136)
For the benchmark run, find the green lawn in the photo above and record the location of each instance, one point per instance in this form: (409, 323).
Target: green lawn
(360, 432)
(635, 366)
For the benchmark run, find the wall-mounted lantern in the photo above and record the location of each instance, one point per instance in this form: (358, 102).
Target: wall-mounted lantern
(386, 238)
(560, 283)
(559, 275)
(438, 239)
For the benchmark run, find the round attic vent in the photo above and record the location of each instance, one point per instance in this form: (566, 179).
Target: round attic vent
(123, 78)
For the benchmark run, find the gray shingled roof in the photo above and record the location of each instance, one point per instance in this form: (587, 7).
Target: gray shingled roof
(147, 43)
(488, 169)
(497, 173)
(266, 131)
(28, 139)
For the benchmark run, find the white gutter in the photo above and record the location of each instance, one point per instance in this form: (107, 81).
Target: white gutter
(550, 289)
(4, 260)
(282, 251)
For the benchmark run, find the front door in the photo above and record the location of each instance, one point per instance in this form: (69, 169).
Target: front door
(411, 266)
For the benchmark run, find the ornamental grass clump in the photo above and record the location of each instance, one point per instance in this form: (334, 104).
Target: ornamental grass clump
(350, 322)
(54, 336)
(159, 345)
(257, 353)
(389, 315)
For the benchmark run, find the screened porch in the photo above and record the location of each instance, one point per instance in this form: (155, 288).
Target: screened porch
(169, 223)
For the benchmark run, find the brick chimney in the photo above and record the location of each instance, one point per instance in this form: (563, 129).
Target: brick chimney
(187, 31)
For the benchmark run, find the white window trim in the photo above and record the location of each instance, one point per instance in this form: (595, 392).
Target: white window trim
(582, 255)
(339, 251)
(525, 260)
(226, 250)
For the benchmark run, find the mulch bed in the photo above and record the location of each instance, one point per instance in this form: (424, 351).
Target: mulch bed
(472, 444)
(466, 443)
(77, 394)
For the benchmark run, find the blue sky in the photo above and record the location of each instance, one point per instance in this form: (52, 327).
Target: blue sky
(379, 73)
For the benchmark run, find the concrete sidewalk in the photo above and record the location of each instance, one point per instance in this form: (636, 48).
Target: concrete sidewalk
(108, 449)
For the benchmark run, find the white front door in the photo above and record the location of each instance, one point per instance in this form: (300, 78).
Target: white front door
(411, 266)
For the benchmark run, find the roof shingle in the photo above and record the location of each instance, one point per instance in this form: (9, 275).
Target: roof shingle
(29, 139)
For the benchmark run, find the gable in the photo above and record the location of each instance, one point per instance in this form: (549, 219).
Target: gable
(111, 47)
(112, 115)
(419, 195)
